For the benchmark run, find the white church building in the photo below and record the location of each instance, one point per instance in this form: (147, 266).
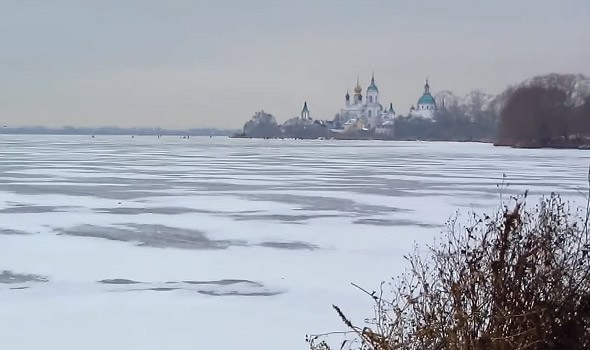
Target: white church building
(370, 112)
(426, 106)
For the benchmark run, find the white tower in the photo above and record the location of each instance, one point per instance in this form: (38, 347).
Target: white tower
(391, 112)
(305, 112)
(372, 92)
(373, 107)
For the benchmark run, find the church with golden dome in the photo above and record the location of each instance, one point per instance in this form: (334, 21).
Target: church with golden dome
(369, 112)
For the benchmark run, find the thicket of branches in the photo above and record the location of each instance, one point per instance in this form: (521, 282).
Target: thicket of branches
(517, 280)
(538, 116)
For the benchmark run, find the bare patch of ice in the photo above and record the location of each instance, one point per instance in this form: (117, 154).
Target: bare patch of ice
(225, 287)
(9, 277)
(31, 209)
(289, 245)
(158, 236)
(282, 217)
(118, 281)
(394, 222)
(6, 231)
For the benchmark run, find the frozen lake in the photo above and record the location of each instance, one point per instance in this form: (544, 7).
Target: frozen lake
(146, 243)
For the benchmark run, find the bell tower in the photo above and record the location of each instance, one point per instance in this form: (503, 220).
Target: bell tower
(305, 112)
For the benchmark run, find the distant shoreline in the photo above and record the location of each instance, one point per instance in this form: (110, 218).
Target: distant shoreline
(114, 131)
(519, 145)
(227, 133)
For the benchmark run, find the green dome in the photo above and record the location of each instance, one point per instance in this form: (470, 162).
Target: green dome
(373, 87)
(426, 99)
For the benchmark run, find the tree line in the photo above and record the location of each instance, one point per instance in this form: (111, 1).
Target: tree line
(551, 110)
(543, 117)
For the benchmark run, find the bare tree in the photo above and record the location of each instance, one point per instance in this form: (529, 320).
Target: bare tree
(534, 116)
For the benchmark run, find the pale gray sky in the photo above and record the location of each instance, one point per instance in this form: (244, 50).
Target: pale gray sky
(181, 63)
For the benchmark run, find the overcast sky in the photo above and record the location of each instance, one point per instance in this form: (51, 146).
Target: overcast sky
(181, 63)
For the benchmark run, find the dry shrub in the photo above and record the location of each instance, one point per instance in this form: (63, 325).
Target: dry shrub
(518, 280)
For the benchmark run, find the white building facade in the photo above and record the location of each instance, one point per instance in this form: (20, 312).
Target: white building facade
(369, 112)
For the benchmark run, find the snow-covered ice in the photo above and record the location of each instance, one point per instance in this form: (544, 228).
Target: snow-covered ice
(146, 243)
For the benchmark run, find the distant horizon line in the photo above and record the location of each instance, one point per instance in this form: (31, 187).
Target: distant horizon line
(115, 130)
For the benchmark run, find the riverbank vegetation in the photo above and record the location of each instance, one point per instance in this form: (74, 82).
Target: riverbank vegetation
(519, 279)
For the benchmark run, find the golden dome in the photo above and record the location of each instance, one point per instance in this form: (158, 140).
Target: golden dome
(358, 89)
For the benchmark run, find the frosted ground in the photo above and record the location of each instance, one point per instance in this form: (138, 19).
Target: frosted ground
(146, 243)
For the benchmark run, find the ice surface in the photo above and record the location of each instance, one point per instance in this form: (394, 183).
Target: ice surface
(11, 277)
(146, 243)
